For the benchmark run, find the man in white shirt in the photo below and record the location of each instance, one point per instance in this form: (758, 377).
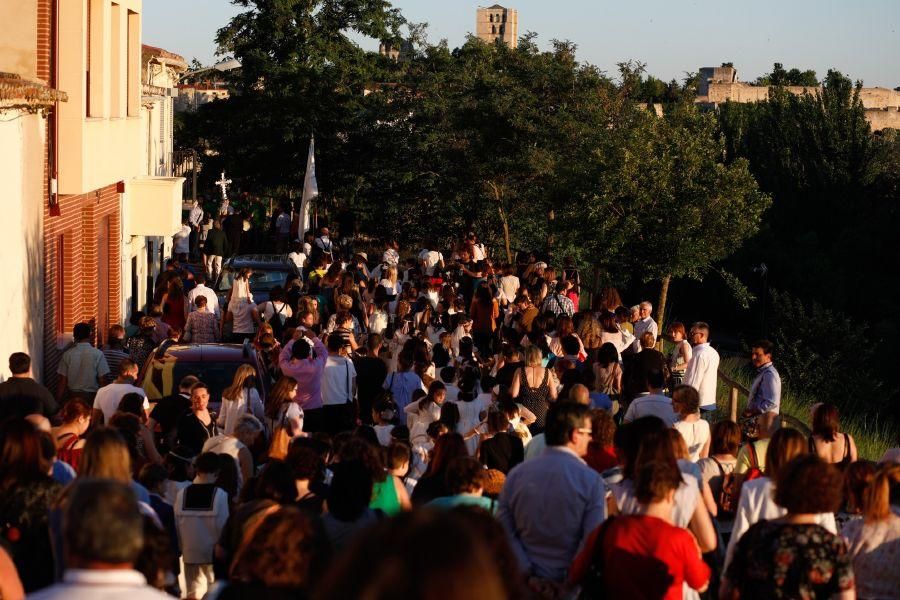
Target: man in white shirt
(201, 289)
(429, 259)
(99, 557)
(644, 323)
(338, 387)
(106, 402)
(181, 242)
(652, 403)
(702, 371)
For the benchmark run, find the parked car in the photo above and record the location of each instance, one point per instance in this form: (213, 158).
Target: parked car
(213, 364)
(269, 270)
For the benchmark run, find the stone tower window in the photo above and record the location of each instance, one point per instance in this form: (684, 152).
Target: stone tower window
(492, 18)
(493, 29)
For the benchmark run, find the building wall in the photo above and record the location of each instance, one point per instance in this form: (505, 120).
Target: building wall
(100, 127)
(883, 119)
(881, 104)
(21, 194)
(497, 22)
(17, 51)
(79, 223)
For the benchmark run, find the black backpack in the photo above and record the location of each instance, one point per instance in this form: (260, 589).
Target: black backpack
(276, 321)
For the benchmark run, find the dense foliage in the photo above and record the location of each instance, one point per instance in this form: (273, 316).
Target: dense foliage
(536, 150)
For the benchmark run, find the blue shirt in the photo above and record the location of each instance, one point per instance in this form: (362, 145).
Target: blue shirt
(548, 506)
(765, 393)
(83, 366)
(600, 400)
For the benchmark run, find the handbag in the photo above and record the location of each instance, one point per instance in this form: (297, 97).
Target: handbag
(593, 586)
(281, 440)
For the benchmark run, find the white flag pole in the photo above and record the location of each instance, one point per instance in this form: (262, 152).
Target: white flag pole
(310, 188)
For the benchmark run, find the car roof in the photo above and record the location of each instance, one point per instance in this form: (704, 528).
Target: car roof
(210, 352)
(272, 262)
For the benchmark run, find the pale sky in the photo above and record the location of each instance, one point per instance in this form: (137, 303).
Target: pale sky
(861, 39)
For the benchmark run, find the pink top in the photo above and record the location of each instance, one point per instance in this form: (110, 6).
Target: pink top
(307, 372)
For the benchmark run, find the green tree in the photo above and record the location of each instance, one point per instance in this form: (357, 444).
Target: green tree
(301, 73)
(781, 77)
(667, 189)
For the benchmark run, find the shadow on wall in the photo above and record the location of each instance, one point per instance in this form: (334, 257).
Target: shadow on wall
(33, 297)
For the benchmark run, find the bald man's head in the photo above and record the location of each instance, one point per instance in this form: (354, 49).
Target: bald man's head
(579, 394)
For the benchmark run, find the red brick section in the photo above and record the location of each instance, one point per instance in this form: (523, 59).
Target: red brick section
(79, 222)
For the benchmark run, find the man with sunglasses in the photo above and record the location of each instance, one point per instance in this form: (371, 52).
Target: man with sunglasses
(550, 504)
(702, 371)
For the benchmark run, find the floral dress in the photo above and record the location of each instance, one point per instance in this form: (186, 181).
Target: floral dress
(782, 560)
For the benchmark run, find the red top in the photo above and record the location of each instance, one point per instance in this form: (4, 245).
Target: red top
(601, 458)
(644, 557)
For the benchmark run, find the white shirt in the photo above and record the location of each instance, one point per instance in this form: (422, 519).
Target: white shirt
(298, 258)
(234, 408)
(509, 286)
(108, 398)
(695, 434)
(469, 417)
(181, 240)
(100, 584)
(199, 530)
(337, 380)
(196, 216)
(757, 503)
(702, 373)
(642, 326)
(390, 257)
(268, 309)
(686, 498)
(242, 312)
(656, 405)
(212, 301)
(431, 258)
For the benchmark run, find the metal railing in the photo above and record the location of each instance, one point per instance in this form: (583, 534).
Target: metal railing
(185, 163)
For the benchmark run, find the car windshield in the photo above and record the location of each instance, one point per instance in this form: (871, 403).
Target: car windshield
(162, 378)
(262, 281)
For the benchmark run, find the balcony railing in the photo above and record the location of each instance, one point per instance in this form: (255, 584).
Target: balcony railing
(185, 163)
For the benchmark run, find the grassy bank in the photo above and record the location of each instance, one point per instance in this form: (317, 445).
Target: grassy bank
(872, 435)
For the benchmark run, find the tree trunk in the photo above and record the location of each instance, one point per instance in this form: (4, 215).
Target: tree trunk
(663, 296)
(498, 198)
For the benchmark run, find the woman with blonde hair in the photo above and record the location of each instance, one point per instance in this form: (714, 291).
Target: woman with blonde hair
(389, 280)
(105, 456)
(240, 398)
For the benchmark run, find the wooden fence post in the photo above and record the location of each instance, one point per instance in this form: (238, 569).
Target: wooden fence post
(733, 403)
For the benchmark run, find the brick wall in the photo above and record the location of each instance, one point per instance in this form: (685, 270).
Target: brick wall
(79, 223)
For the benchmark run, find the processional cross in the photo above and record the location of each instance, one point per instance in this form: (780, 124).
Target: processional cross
(223, 184)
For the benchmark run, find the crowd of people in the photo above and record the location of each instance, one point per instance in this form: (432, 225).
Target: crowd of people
(433, 425)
